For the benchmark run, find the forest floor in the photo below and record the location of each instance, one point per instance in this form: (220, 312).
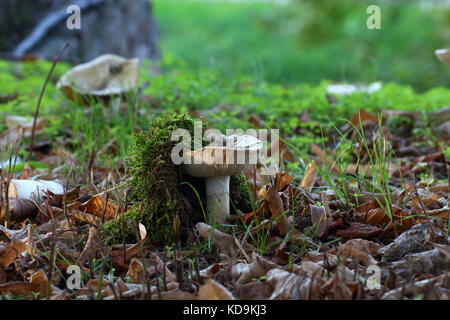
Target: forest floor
(359, 207)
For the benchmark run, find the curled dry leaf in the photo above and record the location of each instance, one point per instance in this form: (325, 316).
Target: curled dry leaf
(222, 241)
(413, 290)
(290, 286)
(310, 175)
(276, 207)
(253, 291)
(92, 247)
(210, 271)
(99, 206)
(358, 230)
(319, 218)
(212, 290)
(131, 251)
(19, 288)
(136, 271)
(275, 202)
(10, 252)
(339, 289)
(247, 272)
(40, 278)
(432, 262)
(282, 180)
(414, 240)
(15, 235)
(20, 209)
(361, 250)
(77, 216)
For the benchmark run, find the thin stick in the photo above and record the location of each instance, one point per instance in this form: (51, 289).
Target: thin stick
(41, 95)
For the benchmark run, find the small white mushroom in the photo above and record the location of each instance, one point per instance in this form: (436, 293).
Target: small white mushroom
(443, 55)
(216, 164)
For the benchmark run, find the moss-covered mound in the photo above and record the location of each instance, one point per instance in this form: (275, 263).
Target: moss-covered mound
(157, 200)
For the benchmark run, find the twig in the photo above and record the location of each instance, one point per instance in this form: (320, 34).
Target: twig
(41, 95)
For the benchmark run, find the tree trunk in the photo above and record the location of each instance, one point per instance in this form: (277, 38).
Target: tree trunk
(38, 28)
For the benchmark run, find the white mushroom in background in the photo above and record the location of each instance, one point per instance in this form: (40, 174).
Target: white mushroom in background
(345, 89)
(216, 164)
(443, 55)
(33, 189)
(106, 75)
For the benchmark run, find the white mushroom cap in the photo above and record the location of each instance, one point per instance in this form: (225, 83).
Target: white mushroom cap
(238, 155)
(443, 55)
(106, 75)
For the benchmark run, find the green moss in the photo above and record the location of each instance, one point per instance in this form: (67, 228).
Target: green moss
(157, 201)
(240, 195)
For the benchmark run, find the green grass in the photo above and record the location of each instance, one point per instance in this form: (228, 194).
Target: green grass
(308, 40)
(225, 102)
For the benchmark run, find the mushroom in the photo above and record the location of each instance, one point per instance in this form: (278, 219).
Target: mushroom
(443, 55)
(216, 164)
(104, 76)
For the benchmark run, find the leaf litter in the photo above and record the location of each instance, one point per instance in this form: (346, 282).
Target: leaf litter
(314, 237)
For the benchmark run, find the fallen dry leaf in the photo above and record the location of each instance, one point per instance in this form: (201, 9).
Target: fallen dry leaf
(358, 230)
(213, 290)
(222, 241)
(10, 252)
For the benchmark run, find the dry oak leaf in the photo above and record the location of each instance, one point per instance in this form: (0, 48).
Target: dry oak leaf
(282, 180)
(212, 290)
(20, 288)
(290, 286)
(136, 271)
(91, 248)
(10, 252)
(100, 207)
(358, 230)
(222, 241)
(361, 250)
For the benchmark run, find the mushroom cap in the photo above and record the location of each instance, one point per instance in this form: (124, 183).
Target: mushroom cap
(108, 74)
(214, 161)
(443, 55)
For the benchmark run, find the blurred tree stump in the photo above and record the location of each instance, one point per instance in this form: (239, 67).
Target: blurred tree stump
(38, 28)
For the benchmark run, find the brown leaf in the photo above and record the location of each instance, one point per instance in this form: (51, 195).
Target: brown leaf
(40, 278)
(281, 257)
(20, 288)
(10, 252)
(339, 289)
(213, 290)
(222, 241)
(20, 209)
(247, 272)
(319, 218)
(136, 271)
(363, 116)
(275, 202)
(92, 247)
(100, 207)
(361, 250)
(290, 286)
(358, 230)
(253, 291)
(310, 175)
(282, 180)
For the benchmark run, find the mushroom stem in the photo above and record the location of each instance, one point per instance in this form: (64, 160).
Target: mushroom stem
(218, 199)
